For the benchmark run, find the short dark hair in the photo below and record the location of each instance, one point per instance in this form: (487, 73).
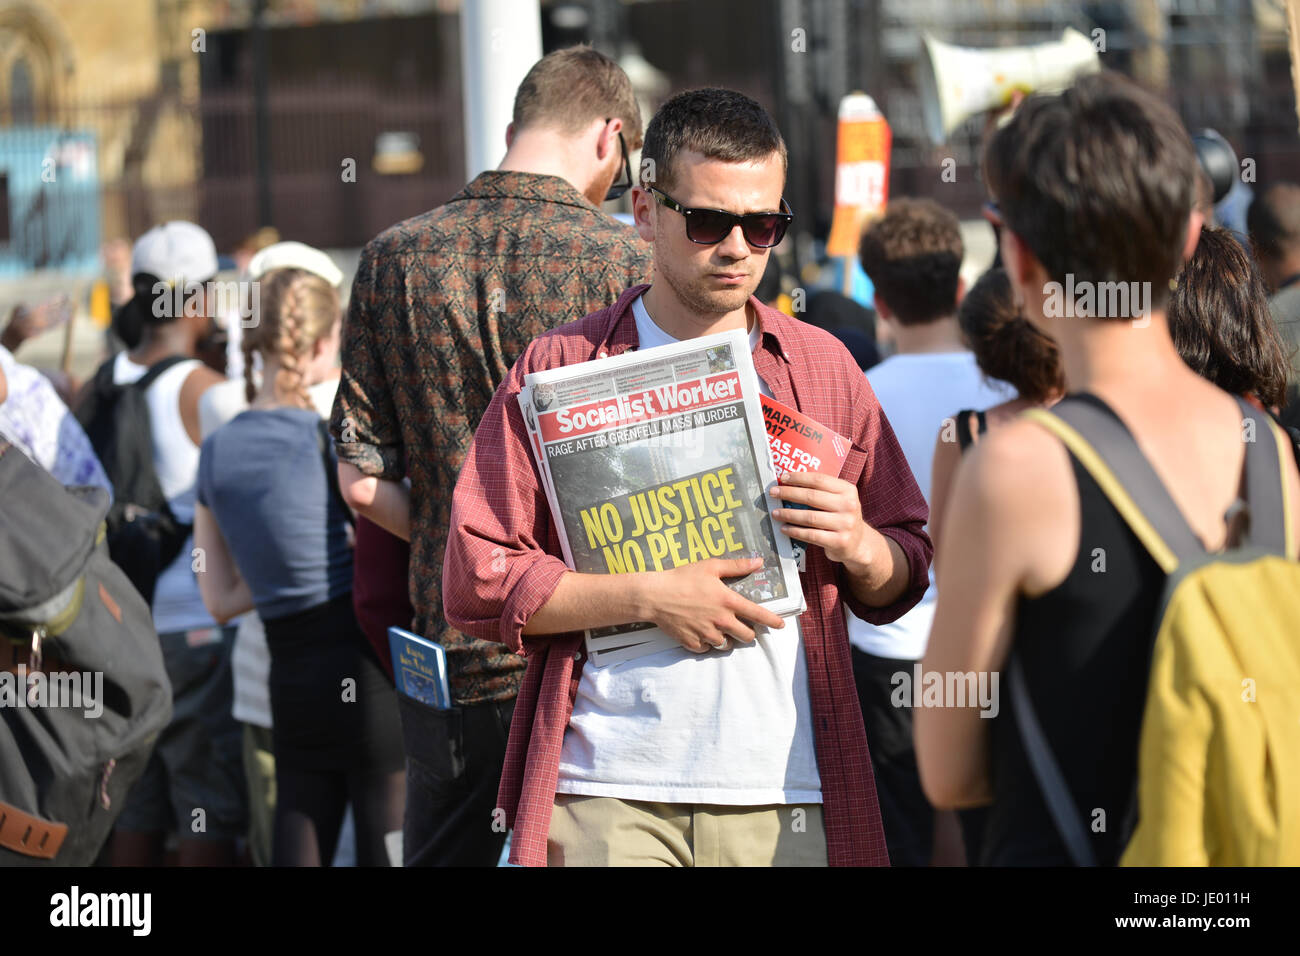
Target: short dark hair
(1098, 181)
(1273, 221)
(1220, 321)
(717, 123)
(912, 255)
(1007, 345)
(568, 88)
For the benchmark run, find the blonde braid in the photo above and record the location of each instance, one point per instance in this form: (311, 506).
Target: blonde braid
(295, 309)
(294, 343)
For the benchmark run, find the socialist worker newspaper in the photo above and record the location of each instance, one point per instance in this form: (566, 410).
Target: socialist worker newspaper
(656, 459)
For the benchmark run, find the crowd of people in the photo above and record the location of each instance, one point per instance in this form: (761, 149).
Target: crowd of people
(327, 476)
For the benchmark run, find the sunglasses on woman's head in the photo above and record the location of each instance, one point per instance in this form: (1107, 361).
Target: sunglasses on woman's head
(708, 227)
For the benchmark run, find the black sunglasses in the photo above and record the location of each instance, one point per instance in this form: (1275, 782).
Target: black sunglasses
(708, 227)
(618, 189)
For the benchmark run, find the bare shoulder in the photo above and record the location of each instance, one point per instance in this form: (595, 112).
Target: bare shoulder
(200, 379)
(947, 452)
(1020, 479)
(943, 465)
(1018, 456)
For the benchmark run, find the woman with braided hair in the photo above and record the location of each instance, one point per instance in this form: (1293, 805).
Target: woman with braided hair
(275, 535)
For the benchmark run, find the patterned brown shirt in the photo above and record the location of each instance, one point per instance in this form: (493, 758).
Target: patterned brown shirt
(442, 306)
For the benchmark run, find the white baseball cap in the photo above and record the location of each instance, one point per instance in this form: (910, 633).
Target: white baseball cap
(179, 254)
(175, 251)
(294, 255)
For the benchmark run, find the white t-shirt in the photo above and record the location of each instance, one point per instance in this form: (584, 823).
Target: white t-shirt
(917, 392)
(724, 727)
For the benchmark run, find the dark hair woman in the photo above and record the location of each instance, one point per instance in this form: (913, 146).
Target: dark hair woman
(1221, 325)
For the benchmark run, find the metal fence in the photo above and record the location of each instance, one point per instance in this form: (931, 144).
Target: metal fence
(328, 183)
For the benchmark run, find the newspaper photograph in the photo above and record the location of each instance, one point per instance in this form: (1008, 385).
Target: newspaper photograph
(657, 459)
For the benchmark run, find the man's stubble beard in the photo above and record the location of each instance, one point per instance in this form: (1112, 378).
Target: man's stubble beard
(700, 299)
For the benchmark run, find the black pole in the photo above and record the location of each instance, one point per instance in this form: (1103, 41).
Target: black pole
(261, 121)
(792, 105)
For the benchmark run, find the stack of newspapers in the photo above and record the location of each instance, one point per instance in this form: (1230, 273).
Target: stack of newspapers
(660, 458)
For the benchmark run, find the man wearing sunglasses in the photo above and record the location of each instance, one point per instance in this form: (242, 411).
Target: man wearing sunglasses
(744, 746)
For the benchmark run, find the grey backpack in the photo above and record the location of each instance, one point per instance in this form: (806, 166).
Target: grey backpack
(83, 690)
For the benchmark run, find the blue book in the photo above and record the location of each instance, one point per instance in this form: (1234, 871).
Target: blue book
(420, 668)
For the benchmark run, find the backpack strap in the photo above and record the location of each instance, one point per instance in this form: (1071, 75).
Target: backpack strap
(1267, 490)
(1101, 442)
(1104, 447)
(104, 379)
(169, 553)
(1056, 793)
(156, 369)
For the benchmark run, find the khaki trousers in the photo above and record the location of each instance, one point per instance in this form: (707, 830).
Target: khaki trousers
(259, 773)
(605, 831)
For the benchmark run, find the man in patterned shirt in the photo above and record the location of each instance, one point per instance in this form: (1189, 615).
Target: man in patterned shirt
(738, 748)
(442, 306)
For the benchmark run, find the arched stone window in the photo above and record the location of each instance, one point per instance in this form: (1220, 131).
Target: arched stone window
(22, 97)
(35, 58)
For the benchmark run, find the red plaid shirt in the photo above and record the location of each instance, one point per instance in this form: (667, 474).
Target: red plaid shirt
(499, 506)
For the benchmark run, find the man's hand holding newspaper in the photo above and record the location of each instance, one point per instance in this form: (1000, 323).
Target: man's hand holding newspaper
(693, 605)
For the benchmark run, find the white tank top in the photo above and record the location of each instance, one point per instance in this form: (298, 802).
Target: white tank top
(177, 605)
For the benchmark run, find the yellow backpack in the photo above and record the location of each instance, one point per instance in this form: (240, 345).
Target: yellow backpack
(1219, 753)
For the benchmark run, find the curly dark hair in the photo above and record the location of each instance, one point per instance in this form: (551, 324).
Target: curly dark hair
(1006, 345)
(717, 123)
(1220, 321)
(912, 254)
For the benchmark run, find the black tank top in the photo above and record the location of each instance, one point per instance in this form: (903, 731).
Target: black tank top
(1086, 648)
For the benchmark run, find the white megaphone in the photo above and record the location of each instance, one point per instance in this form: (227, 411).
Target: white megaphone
(958, 82)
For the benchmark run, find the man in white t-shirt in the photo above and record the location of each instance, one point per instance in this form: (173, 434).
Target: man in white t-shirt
(743, 745)
(913, 255)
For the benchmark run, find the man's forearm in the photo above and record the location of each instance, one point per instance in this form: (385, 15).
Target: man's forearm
(882, 578)
(583, 601)
(387, 503)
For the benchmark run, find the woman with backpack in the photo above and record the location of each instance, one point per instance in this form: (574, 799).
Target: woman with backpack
(140, 412)
(276, 536)
(1065, 527)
